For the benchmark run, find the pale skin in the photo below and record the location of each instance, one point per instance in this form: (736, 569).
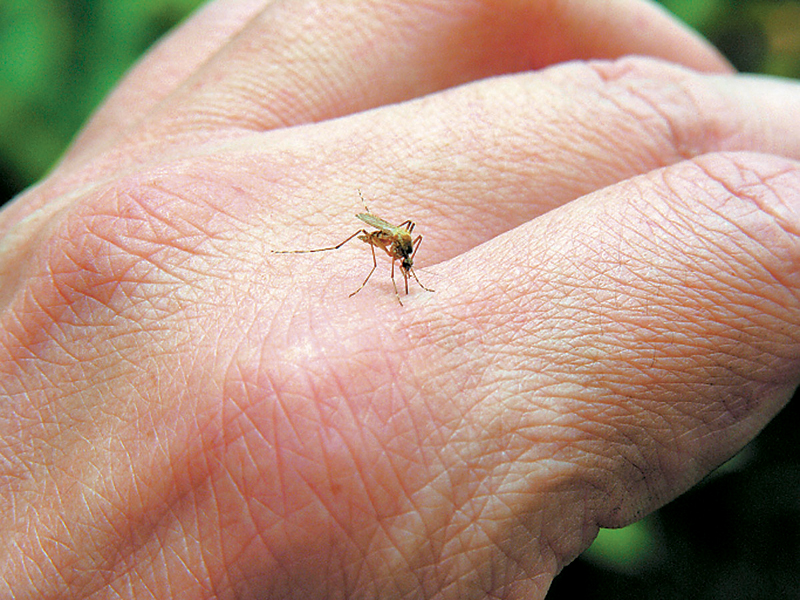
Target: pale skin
(614, 248)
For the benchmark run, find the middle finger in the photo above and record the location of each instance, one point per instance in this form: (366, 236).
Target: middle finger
(480, 159)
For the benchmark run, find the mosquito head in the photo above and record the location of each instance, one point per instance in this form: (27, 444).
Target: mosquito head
(406, 264)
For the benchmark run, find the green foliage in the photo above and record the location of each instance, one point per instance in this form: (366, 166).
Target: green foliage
(60, 59)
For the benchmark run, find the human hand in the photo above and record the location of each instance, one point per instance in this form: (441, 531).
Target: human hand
(615, 256)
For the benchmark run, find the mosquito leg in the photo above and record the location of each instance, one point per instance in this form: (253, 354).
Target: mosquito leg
(340, 244)
(336, 247)
(374, 266)
(416, 244)
(414, 275)
(394, 283)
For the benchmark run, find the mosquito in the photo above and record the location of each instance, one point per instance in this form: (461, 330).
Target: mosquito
(396, 241)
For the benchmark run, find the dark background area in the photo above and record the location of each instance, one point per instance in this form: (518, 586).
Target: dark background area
(735, 536)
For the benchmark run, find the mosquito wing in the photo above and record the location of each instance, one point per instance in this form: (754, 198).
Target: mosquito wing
(377, 223)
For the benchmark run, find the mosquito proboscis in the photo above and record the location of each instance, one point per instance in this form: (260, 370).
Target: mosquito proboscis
(395, 240)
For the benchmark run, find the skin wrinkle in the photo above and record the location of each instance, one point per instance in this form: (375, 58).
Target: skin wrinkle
(121, 230)
(760, 194)
(689, 123)
(447, 536)
(758, 254)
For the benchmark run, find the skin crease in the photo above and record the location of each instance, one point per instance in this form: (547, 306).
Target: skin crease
(614, 246)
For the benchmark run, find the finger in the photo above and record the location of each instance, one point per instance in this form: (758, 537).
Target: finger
(627, 343)
(568, 131)
(300, 62)
(481, 159)
(162, 70)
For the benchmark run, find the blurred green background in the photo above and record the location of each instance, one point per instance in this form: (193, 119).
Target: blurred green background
(59, 60)
(735, 536)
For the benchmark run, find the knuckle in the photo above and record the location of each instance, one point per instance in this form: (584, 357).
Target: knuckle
(733, 222)
(673, 103)
(107, 249)
(759, 194)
